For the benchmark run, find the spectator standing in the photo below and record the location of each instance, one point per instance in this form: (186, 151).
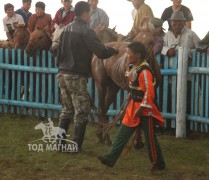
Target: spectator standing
(179, 35)
(177, 6)
(78, 42)
(64, 15)
(40, 18)
(98, 16)
(24, 10)
(11, 20)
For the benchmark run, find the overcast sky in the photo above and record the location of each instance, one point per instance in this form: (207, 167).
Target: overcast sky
(119, 12)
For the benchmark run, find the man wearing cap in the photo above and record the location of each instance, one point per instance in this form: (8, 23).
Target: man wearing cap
(179, 35)
(24, 10)
(40, 18)
(143, 10)
(64, 15)
(11, 20)
(177, 6)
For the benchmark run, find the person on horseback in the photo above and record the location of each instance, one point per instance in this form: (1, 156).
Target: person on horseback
(11, 20)
(99, 17)
(24, 10)
(40, 18)
(140, 112)
(143, 10)
(64, 15)
(78, 42)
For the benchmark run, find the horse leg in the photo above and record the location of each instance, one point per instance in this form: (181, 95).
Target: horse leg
(100, 76)
(112, 90)
(101, 111)
(139, 143)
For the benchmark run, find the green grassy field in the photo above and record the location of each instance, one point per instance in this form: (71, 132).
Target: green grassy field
(186, 159)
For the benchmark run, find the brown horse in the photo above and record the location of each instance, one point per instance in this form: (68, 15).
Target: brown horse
(39, 40)
(21, 36)
(107, 35)
(109, 74)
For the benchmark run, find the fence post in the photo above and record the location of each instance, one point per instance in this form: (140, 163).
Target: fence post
(181, 92)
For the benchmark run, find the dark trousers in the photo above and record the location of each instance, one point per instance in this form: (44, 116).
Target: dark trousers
(124, 134)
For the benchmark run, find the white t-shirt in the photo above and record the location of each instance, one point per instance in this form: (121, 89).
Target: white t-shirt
(10, 21)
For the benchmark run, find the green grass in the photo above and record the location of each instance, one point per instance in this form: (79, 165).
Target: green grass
(185, 158)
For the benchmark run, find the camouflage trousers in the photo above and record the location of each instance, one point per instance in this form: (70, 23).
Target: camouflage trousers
(75, 98)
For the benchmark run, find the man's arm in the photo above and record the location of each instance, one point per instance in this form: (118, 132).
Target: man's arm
(96, 46)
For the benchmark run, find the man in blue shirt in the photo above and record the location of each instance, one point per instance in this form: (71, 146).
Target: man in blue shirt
(24, 10)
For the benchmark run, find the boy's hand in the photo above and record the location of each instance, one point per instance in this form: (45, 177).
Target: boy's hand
(138, 112)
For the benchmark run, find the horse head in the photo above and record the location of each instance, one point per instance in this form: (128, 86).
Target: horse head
(105, 34)
(56, 38)
(21, 36)
(39, 40)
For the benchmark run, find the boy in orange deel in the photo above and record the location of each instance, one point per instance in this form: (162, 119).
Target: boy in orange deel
(141, 110)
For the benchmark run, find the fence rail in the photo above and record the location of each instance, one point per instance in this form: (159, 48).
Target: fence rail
(29, 86)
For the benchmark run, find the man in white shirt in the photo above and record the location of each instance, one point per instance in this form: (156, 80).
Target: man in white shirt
(11, 20)
(179, 36)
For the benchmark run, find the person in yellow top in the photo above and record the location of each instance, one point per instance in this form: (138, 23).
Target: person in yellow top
(143, 10)
(140, 112)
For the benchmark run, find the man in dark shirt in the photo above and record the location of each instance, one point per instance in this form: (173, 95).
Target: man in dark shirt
(24, 10)
(77, 44)
(177, 6)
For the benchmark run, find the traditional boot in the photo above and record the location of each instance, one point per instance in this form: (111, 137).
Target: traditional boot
(79, 134)
(63, 124)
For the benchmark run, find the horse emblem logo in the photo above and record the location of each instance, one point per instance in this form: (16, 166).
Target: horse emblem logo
(50, 132)
(52, 137)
